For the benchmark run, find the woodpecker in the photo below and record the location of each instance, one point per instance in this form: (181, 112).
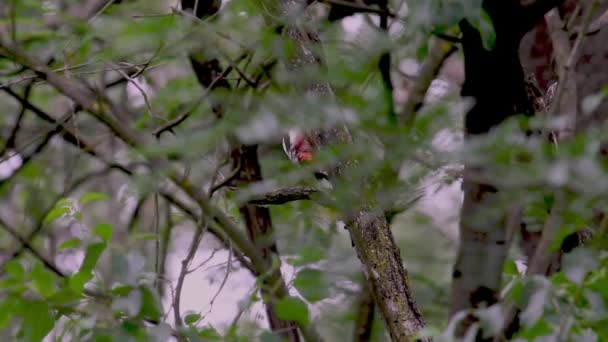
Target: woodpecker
(299, 149)
(297, 146)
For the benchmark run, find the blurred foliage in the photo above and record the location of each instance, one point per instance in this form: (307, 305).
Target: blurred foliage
(104, 285)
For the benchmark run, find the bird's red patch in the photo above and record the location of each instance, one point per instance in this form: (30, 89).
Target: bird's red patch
(304, 156)
(303, 149)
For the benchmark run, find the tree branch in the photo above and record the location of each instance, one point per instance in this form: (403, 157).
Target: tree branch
(565, 103)
(484, 235)
(368, 228)
(283, 196)
(598, 24)
(247, 169)
(384, 65)
(10, 141)
(439, 51)
(365, 315)
(533, 12)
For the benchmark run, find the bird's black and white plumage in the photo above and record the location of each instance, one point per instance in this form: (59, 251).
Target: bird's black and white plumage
(297, 146)
(299, 149)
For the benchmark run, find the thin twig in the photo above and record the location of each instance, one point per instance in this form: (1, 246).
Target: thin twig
(204, 262)
(157, 266)
(439, 51)
(598, 24)
(73, 187)
(567, 57)
(186, 114)
(143, 93)
(41, 145)
(232, 176)
(164, 252)
(79, 66)
(218, 222)
(194, 243)
(211, 28)
(10, 141)
(224, 281)
(26, 244)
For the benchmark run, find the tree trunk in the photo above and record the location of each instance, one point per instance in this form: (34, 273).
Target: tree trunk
(369, 230)
(495, 79)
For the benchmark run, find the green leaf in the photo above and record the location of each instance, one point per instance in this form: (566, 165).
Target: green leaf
(37, 321)
(44, 280)
(209, 333)
(104, 231)
(131, 327)
(540, 328)
(121, 290)
(312, 284)
(192, 318)
(64, 298)
(64, 202)
(308, 255)
(70, 243)
(144, 237)
(14, 269)
(54, 214)
(422, 52)
(92, 197)
(31, 171)
(486, 29)
(78, 280)
(510, 268)
(91, 257)
(84, 274)
(151, 307)
(269, 336)
(8, 310)
(292, 309)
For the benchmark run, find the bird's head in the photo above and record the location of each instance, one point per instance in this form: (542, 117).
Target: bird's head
(297, 146)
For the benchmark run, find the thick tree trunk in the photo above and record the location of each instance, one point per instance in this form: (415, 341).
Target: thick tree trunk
(381, 262)
(369, 230)
(245, 159)
(495, 79)
(260, 230)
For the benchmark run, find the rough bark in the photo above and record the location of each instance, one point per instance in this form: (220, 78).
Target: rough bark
(369, 230)
(382, 266)
(285, 195)
(245, 160)
(260, 230)
(591, 70)
(565, 104)
(495, 79)
(365, 315)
